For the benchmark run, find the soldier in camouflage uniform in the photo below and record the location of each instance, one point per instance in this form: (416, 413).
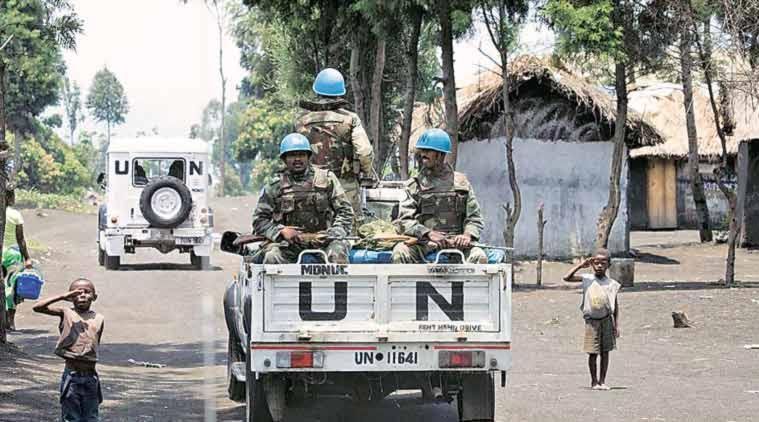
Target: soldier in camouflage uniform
(303, 199)
(441, 211)
(338, 140)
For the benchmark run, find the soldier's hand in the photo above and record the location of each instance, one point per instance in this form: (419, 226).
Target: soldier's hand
(437, 238)
(291, 235)
(461, 241)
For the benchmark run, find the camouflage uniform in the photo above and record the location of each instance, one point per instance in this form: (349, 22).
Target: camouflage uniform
(339, 143)
(443, 202)
(313, 201)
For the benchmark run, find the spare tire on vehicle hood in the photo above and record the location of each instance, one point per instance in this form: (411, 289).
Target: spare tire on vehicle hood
(165, 202)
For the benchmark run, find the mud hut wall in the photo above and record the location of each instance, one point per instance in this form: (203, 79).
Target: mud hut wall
(571, 179)
(748, 193)
(715, 200)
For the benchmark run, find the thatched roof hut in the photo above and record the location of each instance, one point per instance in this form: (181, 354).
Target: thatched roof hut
(593, 108)
(662, 105)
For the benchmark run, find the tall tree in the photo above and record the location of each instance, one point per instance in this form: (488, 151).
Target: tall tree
(724, 172)
(415, 15)
(449, 78)
(107, 101)
(502, 19)
(686, 66)
(32, 35)
(72, 106)
(633, 35)
(220, 11)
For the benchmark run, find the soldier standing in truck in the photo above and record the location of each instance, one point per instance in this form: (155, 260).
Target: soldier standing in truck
(303, 200)
(441, 210)
(338, 139)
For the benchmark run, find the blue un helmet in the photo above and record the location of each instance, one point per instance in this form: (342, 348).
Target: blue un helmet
(330, 83)
(294, 142)
(436, 140)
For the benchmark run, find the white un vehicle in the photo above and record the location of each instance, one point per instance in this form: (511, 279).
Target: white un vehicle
(157, 192)
(366, 329)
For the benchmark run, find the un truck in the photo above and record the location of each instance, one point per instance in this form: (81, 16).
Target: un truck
(367, 329)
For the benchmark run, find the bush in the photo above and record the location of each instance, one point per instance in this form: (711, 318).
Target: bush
(70, 202)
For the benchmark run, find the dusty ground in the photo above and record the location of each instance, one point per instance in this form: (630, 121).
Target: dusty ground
(153, 313)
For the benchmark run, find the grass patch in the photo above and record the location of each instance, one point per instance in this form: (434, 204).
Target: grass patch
(70, 203)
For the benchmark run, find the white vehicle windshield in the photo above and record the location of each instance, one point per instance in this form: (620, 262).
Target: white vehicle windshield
(147, 169)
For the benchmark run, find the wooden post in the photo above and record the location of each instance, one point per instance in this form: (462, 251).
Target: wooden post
(541, 225)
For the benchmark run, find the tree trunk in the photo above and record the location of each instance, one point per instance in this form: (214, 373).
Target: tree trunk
(541, 226)
(513, 216)
(375, 119)
(412, 59)
(108, 131)
(449, 79)
(355, 74)
(697, 185)
(609, 213)
(3, 156)
(723, 173)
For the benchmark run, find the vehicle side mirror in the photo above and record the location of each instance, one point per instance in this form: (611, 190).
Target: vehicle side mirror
(228, 243)
(101, 180)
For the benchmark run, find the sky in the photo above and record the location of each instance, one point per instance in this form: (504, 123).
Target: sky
(165, 53)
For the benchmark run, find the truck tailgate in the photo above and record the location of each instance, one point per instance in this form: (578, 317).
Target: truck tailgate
(383, 303)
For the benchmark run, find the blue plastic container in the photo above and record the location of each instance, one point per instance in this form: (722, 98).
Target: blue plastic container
(29, 284)
(495, 256)
(367, 256)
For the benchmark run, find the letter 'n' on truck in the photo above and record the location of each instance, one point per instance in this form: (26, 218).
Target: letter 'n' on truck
(157, 194)
(366, 329)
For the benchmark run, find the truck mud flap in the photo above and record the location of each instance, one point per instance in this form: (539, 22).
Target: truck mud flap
(476, 400)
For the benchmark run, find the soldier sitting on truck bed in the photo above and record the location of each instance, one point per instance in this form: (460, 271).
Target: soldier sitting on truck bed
(441, 211)
(303, 201)
(337, 138)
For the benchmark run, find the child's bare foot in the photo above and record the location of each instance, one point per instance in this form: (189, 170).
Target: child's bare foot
(603, 387)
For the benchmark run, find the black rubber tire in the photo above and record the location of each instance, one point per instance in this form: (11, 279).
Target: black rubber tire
(101, 256)
(200, 263)
(112, 262)
(102, 213)
(486, 400)
(256, 408)
(165, 182)
(235, 389)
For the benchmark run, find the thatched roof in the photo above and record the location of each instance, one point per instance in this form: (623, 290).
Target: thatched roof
(484, 98)
(662, 104)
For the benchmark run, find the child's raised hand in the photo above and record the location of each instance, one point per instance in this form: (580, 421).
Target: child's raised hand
(72, 294)
(586, 263)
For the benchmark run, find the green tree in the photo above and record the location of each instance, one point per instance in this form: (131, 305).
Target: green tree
(107, 101)
(502, 19)
(32, 34)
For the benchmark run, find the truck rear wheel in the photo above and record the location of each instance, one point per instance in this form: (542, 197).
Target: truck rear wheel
(235, 389)
(112, 262)
(256, 408)
(476, 399)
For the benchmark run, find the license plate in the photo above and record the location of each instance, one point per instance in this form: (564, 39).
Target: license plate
(393, 358)
(189, 240)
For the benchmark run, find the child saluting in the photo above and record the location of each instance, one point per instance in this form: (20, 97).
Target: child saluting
(81, 329)
(601, 313)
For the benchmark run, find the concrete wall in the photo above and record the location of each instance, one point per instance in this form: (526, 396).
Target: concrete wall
(748, 193)
(570, 179)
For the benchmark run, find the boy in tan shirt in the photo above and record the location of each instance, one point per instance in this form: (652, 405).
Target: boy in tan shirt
(81, 329)
(600, 310)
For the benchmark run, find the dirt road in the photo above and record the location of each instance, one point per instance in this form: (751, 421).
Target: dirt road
(154, 313)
